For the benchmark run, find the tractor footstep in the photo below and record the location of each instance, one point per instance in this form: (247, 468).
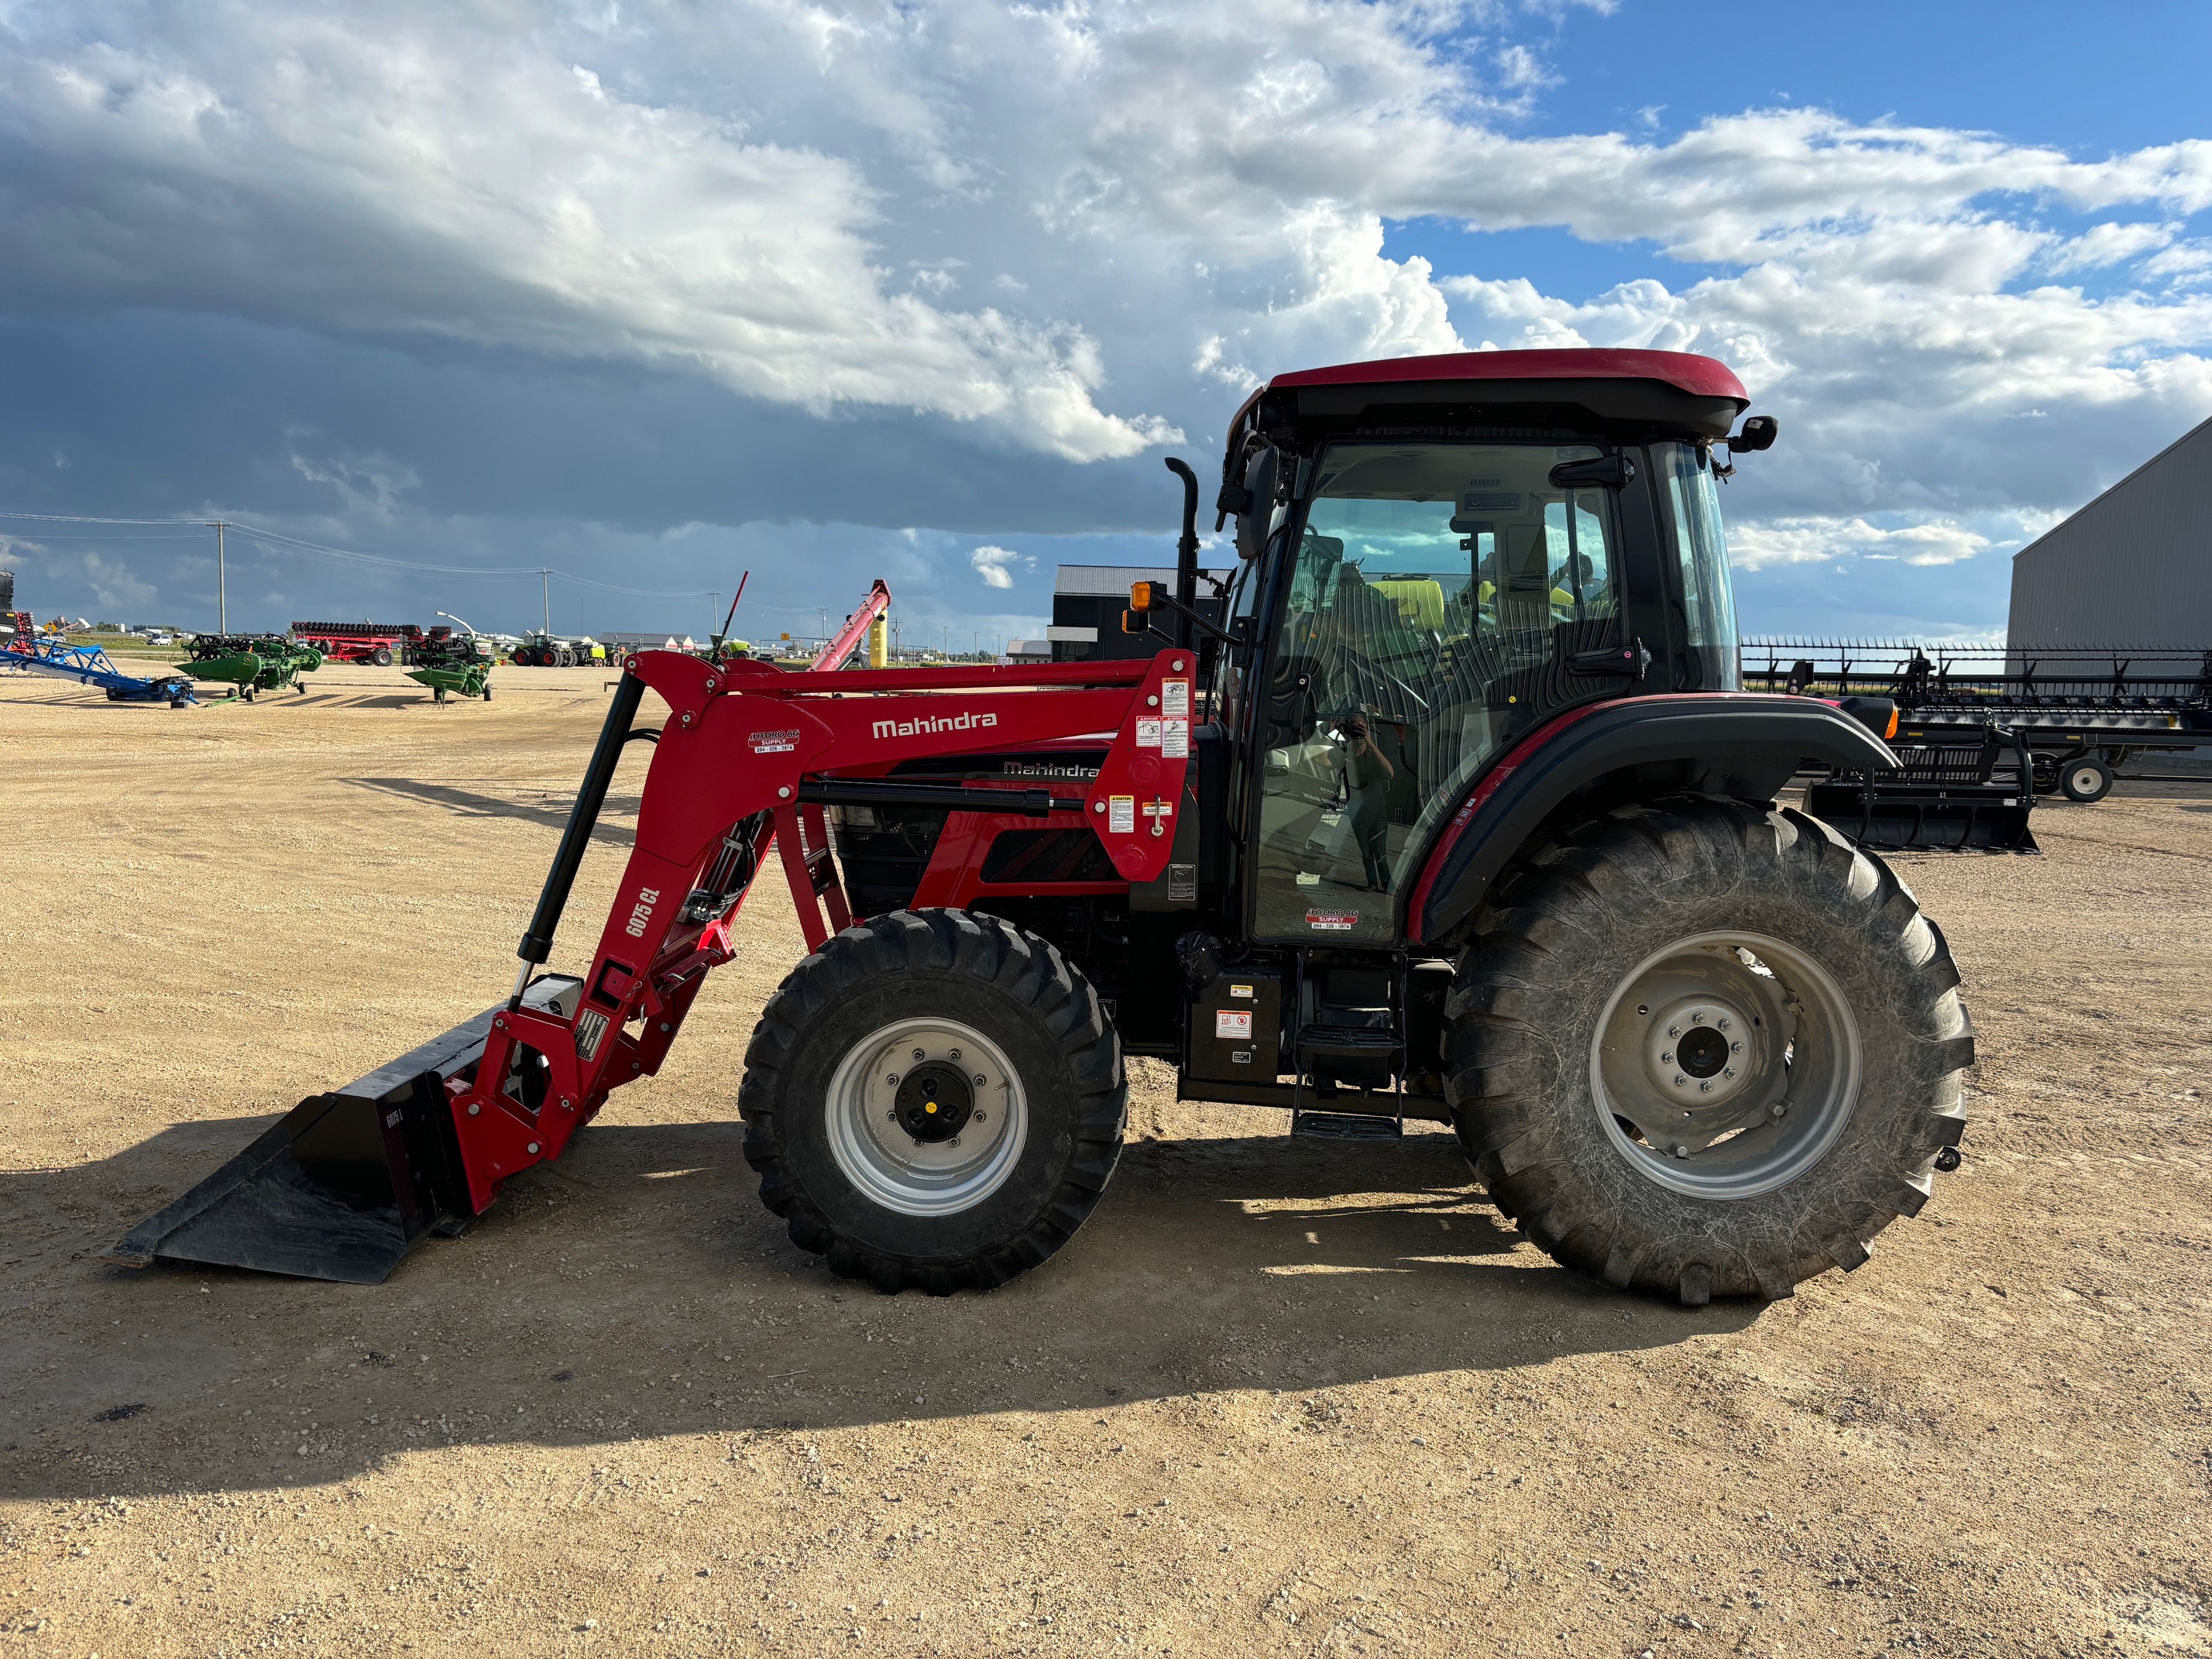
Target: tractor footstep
(1345, 1126)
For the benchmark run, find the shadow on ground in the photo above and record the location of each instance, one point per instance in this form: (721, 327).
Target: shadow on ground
(470, 802)
(638, 1289)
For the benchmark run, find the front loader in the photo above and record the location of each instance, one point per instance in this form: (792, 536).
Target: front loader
(1462, 816)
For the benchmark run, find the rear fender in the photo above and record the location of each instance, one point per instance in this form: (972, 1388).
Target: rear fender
(1737, 743)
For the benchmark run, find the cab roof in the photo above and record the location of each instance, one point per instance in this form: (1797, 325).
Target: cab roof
(1685, 371)
(1627, 395)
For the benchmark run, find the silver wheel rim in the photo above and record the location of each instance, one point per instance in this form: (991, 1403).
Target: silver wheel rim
(2085, 779)
(894, 1167)
(1725, 1066)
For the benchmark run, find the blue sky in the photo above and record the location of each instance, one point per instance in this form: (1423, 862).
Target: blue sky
(655, 293)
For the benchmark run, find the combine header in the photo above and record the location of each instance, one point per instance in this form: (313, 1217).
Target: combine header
(450, 664)
(251, 662)
(1402, 840)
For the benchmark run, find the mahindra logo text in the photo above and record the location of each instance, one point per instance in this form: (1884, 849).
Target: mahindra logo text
(927, 723)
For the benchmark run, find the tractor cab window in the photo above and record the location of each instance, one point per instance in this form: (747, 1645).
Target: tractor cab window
(1707, 621)
(1433, 591)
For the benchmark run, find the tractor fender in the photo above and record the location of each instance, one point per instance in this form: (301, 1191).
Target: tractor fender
(1743, 745)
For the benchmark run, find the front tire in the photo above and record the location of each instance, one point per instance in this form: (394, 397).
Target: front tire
(1704, 1049)
(958, 1168)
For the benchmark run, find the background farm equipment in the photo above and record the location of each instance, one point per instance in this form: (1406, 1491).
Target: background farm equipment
(554, 651)
(1954, 791)
(450, 664)
(1690, 1040)
(251, 662)
(378, 644)
(2081, 713)
(89, 665)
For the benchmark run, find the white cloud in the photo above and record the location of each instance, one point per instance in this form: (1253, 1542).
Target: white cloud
(994, 565)
(1761, 545)
(800, 203)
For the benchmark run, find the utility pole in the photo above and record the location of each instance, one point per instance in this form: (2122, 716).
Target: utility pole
(546, 592)
(222, 596)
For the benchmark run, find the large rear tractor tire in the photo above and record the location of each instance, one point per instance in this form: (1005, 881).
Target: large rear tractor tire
(1701, 1049)
(934, 1099)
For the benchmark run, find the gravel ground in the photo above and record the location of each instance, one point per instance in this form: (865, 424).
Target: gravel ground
(1276, 1398)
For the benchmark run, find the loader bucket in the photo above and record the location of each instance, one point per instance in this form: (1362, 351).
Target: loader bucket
(1888, 818)
(345, 1183)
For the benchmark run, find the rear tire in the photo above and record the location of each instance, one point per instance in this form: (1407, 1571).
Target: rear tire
(2085, 779)
(381, 656)
(962, 1202)
(1851, 1021)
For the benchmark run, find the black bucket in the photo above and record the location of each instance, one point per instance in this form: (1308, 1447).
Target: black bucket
(340, 1188)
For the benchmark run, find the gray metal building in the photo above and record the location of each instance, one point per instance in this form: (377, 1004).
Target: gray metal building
(2132, 568)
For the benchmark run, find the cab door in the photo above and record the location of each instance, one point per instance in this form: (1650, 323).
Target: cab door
(1437, 600)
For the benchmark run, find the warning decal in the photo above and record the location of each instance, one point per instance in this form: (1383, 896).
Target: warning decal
(1174, 698)
(1148, 734)
(1234, 1023)
(1121, 815)
(1175, 739)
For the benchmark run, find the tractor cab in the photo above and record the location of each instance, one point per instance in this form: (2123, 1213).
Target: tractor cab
(1444, 554)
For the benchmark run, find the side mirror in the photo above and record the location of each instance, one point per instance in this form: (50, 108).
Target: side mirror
(1758, 433)
(1599, 472)
(1253, 519)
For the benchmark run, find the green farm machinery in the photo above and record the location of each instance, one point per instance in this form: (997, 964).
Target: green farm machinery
(452, 664)
(251, 662)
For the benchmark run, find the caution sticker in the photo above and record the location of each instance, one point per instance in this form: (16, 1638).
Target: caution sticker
(1148, 734)
(1244, 991)
(1174, 698)
(1175, 739)
(1121, 815)
(1333, 921)
(1233, 1023)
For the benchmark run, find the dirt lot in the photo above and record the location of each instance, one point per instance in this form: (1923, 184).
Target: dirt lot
(1276, 1398)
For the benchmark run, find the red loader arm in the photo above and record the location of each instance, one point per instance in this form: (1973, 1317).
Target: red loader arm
(743, 748)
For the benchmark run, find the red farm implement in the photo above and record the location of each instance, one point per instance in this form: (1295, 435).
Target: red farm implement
(1474, 826)
(378, 643)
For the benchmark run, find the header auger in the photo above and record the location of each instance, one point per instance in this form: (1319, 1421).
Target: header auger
(1462, 816)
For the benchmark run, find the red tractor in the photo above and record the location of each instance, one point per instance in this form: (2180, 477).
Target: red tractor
(1460, 817)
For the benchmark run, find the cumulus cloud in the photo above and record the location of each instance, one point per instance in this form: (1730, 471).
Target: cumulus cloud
(995, 565)
(1070, 234)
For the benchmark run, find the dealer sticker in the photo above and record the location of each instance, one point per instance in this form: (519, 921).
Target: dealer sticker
(1174, 698)
(1148, 734)
(1175, 739)
(1121, 815)
(1234, 1023)
(774, 742)
(1333, 921)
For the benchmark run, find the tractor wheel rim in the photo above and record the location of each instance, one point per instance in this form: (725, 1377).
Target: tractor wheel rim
(1726, 1065)
(911, 1172)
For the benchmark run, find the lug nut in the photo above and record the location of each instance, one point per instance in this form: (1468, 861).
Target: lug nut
(1681, 1150)
(1667, 1059)
(1729, 1072)
(1679, 1079)
(1705, 1088)
(979, 1117)
(892, 1079)
(979, 1080)
(955, 1141)
(1735, 1048)
(917, 1054)
(1698, 1018)
(954, 1054)
(1674, 1030)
